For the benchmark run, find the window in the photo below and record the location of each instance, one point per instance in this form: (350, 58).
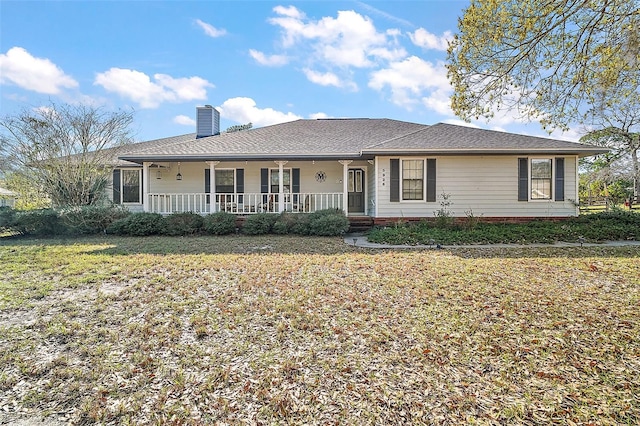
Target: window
(412, 179)
(131, 186)
(541, 179)
(409, 182)
(274, 186)
(225, 181)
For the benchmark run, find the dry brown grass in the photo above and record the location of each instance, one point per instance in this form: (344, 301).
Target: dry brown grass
(279, 330)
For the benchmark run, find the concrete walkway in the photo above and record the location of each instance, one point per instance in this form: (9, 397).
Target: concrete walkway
(360, 240)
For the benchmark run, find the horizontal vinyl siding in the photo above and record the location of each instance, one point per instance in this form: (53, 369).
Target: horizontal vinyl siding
(370, 208)
(487, 185)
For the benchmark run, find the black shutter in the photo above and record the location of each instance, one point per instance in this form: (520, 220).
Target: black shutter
(559, 179)
(431, 180)
(394, 180)
(117, 199)
(239, 181)
(295, 180)
(523, 179)
(295, 183)
(207, 184)
(264, 181)
(142, 196)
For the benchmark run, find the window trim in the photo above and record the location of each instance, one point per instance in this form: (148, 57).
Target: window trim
(551, 180)
(122, 172)
(424, 180)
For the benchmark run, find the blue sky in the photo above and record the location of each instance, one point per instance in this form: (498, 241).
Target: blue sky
(263, 62)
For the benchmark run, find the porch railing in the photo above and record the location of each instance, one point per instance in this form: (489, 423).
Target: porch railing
(246, 203)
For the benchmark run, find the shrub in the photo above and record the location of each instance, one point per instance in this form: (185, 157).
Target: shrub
(91, 219)
(259, 224)
(40, 223)
(330, 222)
(7, 218)
(289, 223)
(220, 223)
(137, 224)
(182, 224)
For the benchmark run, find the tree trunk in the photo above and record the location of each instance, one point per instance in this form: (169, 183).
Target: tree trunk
(636, 169)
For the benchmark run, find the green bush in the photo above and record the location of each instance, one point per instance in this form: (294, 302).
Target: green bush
(182, 224)
(613, 225)
(330, 222)
(138, 224)
(259, 224)
(39, 223)
(290, 223)
(91, 219)
(220, 223)
(7, 218)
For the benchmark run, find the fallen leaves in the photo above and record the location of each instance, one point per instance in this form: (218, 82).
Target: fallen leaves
(331, 335)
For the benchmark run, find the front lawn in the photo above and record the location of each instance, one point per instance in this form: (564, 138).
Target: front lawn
(292, 330)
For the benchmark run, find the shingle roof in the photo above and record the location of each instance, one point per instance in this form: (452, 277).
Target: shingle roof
(449, 138)
(344, 138)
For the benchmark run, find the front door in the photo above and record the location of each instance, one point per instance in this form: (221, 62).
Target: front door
(356, 191)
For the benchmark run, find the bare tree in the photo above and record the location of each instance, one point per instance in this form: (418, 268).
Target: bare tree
(66, 150)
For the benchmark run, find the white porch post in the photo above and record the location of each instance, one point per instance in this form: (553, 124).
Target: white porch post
(281, 185)
(212, 185)
(345, 184)
(144, 197)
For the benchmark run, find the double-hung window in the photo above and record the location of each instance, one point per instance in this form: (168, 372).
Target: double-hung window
(541, 178)
(131, 185)
(225, 181)
(413, 179)
(274, 187)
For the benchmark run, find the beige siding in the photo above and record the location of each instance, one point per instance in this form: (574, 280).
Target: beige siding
(486, 185)
(371, 190)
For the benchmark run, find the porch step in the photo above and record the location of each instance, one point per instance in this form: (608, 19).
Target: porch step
(360, 223)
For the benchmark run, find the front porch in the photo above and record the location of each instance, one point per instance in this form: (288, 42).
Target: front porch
(249, 187)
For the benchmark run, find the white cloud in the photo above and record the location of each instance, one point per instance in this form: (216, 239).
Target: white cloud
(439, 101)
(269, 61)
(349, 40)
(328, 79)
(426, 40)
(210, 30)
(318, 115)
(184, 120)
(244, 110)
(290, 11)
(40, 75)
(138, 87)
(410, 79)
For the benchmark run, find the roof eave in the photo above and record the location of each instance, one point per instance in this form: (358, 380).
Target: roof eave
(583, 152)
(243, 157)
